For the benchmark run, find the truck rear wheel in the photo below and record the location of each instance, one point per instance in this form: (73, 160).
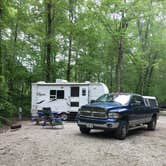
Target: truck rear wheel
(122, 130)
(84, 130)
(152, 123)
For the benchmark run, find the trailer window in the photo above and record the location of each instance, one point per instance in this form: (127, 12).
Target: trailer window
(74, 91)
(83, 92)
(74, 104)
(60, 94)
(52, 94)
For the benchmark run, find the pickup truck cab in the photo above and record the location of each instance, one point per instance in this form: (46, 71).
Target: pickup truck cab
(118, 112)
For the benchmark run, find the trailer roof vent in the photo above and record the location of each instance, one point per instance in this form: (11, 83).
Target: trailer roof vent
(87, 82)
(61, 81)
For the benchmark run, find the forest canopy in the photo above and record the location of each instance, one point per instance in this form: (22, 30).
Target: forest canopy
(118, 42)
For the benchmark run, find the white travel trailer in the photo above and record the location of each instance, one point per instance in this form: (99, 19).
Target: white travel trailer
(64, 97)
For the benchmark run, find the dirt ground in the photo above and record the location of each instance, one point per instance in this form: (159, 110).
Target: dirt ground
(33, 145)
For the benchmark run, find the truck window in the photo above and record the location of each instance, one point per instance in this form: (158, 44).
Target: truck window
(60, 94)
(140, 99)
(52, 94)
(75, 91)
(137, 100)
(152, 102)
(146, 102)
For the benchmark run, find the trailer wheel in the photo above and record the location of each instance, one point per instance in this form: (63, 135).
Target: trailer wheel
(63, 116)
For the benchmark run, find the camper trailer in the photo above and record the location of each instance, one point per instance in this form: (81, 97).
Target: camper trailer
(64, 97)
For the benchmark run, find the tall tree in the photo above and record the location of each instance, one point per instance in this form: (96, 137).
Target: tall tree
(49, 18)
(121, 28)
(1, 13)
(116, 22)
(70, 38)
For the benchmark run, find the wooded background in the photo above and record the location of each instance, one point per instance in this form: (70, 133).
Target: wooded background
(119, 42)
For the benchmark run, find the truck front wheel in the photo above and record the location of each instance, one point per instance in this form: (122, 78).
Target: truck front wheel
(84, 130)
(122, 130)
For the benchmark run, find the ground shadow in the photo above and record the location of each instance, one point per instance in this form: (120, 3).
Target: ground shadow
(110, 134)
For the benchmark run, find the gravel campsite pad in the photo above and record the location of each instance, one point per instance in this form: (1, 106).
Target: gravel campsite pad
(34, 145)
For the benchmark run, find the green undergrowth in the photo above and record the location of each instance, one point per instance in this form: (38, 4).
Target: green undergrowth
(1, 125)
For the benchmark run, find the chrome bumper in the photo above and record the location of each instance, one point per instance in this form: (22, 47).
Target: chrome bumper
(96, 125)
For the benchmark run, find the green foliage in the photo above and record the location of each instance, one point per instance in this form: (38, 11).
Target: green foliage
(7, 109)
(94, 30)
(3, 88)
(1, 124)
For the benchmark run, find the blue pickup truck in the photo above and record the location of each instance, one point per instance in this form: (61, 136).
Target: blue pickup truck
(118, 112)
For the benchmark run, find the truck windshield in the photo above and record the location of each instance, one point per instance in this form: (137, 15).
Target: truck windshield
(123, 99)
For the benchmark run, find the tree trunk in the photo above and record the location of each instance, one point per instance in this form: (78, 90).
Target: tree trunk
(118, 66)
(76, 72)
(122, 28)
(149, 79)
(48, 40)
(143, 34)
(1, 66)
(71, 18)
(69, 57)
(150, 73)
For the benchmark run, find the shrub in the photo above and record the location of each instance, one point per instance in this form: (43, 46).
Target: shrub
(7, 110)
(3, 87)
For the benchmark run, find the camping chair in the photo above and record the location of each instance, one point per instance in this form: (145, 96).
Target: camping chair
(50, 118)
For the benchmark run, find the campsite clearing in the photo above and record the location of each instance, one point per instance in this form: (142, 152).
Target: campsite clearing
(33, 145)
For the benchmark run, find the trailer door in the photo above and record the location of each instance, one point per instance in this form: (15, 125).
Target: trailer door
(79, 97)
(74, 98)
(84, 95)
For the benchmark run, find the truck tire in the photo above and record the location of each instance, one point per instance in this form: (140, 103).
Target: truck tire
(122, 130)
(84, 130)
(152, 123)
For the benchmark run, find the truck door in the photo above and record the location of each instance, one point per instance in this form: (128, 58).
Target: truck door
(137, 110)
(151, 107)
